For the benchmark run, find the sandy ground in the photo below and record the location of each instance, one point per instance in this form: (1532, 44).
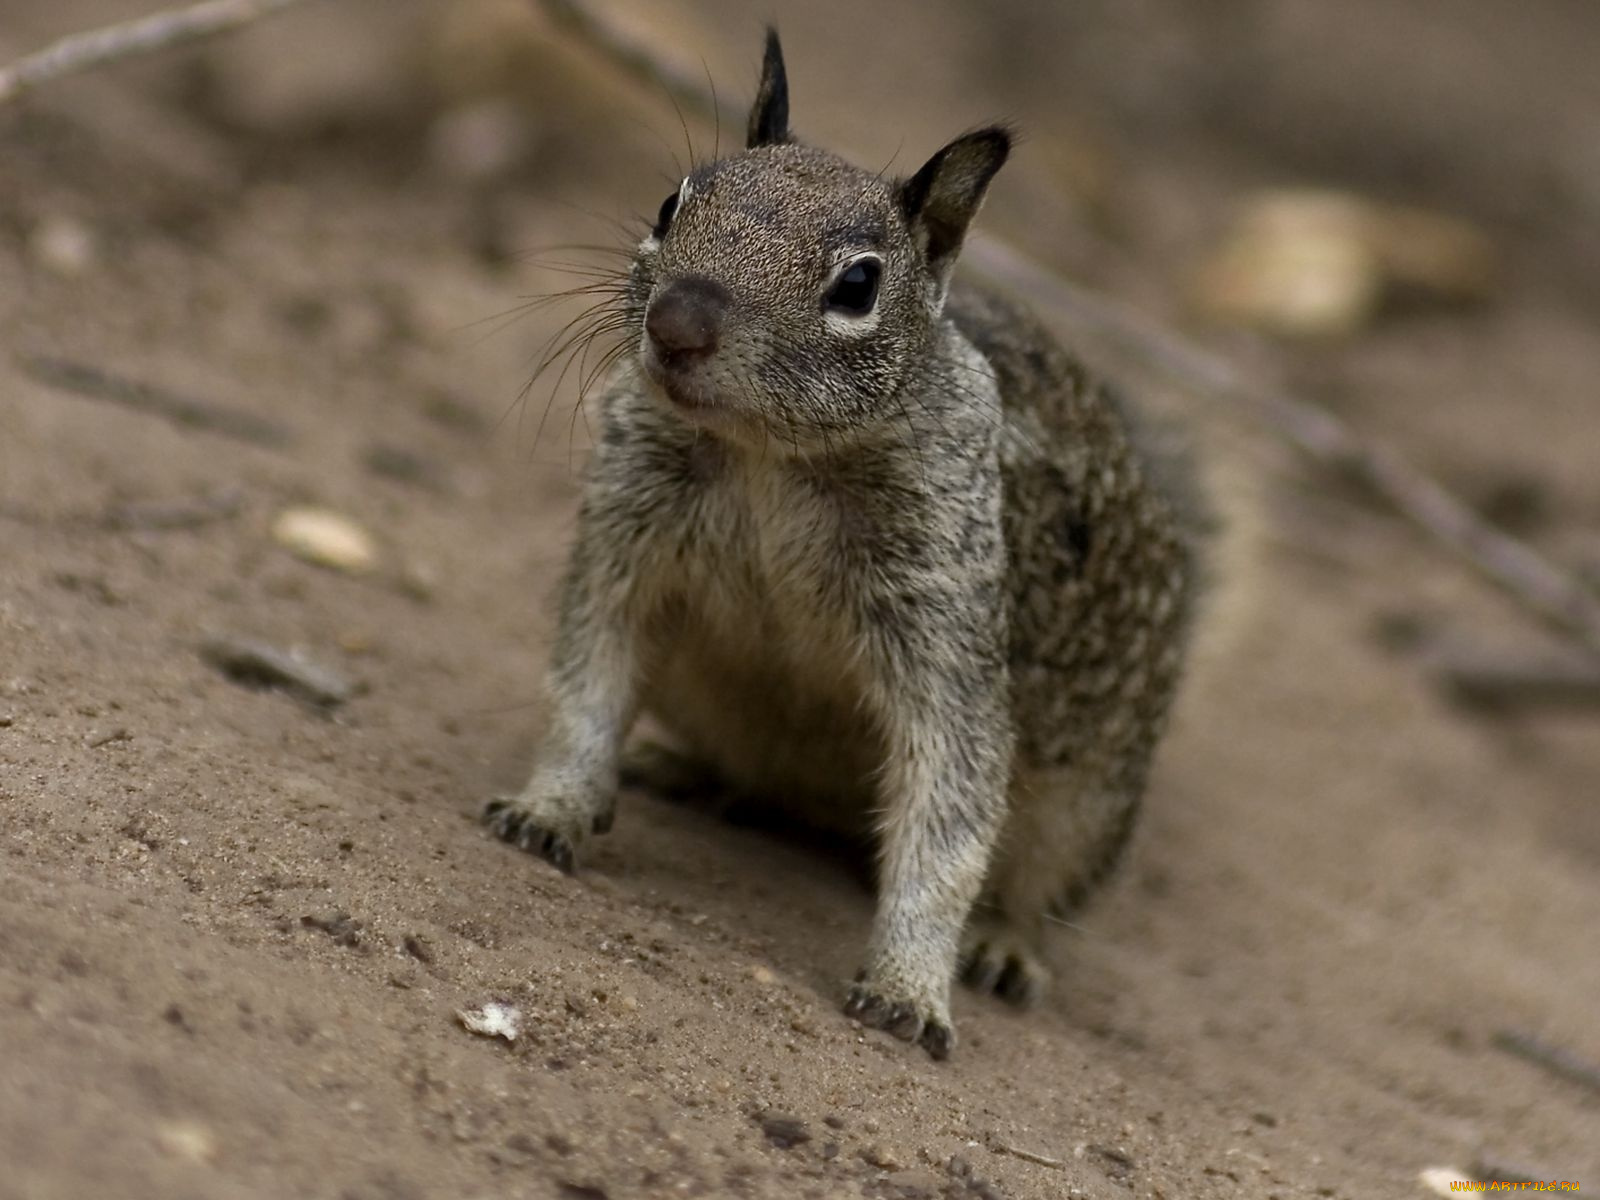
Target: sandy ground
(235, 930)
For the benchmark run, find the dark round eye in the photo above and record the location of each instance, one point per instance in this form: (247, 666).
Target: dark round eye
(669, 206)
(856, 291)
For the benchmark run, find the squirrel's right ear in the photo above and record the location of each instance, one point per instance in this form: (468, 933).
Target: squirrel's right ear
(769, 115)
(940, 200)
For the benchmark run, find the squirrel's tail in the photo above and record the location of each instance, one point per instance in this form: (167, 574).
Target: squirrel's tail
(1227, 524)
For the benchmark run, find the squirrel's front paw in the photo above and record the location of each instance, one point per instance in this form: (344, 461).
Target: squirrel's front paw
(512, 819)
(924, 1023)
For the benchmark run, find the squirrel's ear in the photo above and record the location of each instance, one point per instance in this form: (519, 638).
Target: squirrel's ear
(941, 199)
(769, 115)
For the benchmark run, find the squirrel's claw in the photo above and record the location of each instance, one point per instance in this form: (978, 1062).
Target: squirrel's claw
(996, 960)
(901, 1019)
(511, 822)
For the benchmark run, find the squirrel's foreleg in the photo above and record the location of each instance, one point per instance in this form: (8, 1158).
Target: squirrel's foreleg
(943, 702)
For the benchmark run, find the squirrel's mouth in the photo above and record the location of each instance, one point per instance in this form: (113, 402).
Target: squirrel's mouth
(689, 396)
(686, 386)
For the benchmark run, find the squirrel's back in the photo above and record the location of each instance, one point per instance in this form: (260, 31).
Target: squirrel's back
(1041, 383)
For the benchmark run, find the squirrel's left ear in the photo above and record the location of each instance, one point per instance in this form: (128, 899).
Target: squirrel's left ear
(941, 199)
(769, 115)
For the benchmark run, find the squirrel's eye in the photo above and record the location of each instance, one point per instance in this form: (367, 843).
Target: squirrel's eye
(669, 207)
(856, 291)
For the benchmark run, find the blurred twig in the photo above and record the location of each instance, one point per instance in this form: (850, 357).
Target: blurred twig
(144, 35)
(1556, 1059)
(633, 55)
(1558, 598)
(153, 399)
(1044, 1160)
(1496, 683)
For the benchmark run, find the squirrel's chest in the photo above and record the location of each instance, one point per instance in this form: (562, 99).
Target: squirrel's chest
(758, 667)
(757, 664)
(765, 553)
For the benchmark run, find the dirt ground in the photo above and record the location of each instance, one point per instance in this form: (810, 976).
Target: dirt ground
(235, 930)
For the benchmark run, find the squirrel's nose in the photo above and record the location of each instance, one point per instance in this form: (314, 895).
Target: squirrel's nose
(684, 321)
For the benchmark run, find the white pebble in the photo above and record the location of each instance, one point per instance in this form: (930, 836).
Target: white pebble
(63, 245)
(188, 1140)
(494, 1019)
(326, 538)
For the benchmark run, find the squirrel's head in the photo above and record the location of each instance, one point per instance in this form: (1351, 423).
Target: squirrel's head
(785, 292)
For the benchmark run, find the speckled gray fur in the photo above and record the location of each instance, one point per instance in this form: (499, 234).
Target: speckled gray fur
(908, 573)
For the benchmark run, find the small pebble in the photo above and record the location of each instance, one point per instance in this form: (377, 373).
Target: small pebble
(326, 538)
(417, 581)
(493, 1019)
(344, 929)
(784, 1130)
(259, 664)
(64, 246)
(1304, 262)
(1297, 264)
(399, 463)
(188, 1140)
(355, 642)
(880, 1156)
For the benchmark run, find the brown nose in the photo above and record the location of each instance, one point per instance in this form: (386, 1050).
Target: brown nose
(684, 320)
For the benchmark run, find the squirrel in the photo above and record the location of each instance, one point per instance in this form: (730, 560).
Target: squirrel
(873, 547)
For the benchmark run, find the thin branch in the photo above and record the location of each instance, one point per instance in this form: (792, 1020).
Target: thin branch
(1498, 683)
(144, 35)
(85, 379)
(255, 663)
(1556, 1059)
(1044, 1160)
(635, 56)
(1558, 598)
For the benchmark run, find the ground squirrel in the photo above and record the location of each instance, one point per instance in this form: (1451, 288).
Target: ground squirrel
(873, 548)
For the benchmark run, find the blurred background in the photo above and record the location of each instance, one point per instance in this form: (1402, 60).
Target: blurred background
(269, 308)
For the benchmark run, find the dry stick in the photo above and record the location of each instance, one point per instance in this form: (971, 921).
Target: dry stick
(97, 383)
(1556, 1059)
(144, 35)
(636, 57)
(1558, 598)
(1043, 1160)
(1500, 682)
(255, 663)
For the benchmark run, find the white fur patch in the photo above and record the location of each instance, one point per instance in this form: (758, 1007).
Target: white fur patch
(848, 326)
